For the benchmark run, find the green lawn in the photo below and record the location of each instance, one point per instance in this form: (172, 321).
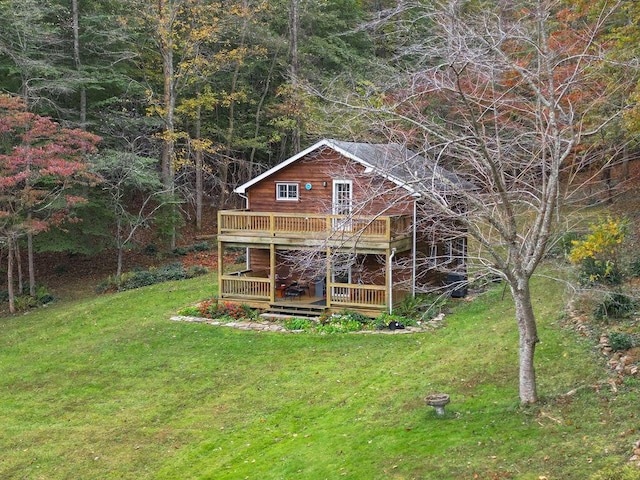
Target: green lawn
(111, 388)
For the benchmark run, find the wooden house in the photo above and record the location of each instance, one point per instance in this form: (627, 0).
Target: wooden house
(333, 227)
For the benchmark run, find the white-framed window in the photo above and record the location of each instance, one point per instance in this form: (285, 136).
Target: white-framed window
(433, 255)
(286, 191)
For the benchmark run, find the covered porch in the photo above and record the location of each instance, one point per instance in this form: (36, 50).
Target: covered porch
(272, 279)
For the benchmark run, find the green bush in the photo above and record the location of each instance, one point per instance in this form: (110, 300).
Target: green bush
(201, 247)
(131, 280)
(26, 301)
(383, 320)
(172, 271)
(614, 305)
(563, 244)
(621, 341)
(151, 250)
(141, 278)
(634, 267)
(600, 271)
(190, 311)
(421, 306)
(298, 324)
(196, 271)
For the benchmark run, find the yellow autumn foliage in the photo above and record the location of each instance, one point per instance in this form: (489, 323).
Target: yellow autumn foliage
(602, 243)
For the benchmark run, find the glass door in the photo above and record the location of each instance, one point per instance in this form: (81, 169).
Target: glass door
(342, 204)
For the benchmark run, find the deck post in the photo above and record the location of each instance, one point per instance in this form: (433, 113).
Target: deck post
(220, 267)
(272, 273)
(328, 280)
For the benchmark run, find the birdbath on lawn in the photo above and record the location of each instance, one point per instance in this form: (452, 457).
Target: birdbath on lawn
(437, 401)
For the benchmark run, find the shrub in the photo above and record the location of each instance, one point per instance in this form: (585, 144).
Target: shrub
(614, 305)
(383, 320)
(422, 306)
(172, 271)
(131, 280)
(151, 250)
(190, 311)
(201, 247)
(25, 302)
(634, 267)
(620, 341)
(597, 253)
(141, 278)
(600, 271)
(196, 271)
(563, 244)
(222, 310)
(298, 324)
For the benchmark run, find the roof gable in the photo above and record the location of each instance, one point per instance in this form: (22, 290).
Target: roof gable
(391, 161)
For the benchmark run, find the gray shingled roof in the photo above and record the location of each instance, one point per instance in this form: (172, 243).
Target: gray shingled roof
(405, 166)
(391, 160)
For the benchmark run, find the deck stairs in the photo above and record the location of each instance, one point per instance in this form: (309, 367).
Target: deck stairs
(301, 310)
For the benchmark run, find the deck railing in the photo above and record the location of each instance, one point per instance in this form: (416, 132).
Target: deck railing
(246, 287)
(293, 224)
(356, 295)
(342, 295)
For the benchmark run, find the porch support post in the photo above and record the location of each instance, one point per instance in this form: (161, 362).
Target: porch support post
(220, 267)
(272, 271)
(390, 253)
(328, 277)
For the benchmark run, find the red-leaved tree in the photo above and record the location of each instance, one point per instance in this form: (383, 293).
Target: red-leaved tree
(39, 161)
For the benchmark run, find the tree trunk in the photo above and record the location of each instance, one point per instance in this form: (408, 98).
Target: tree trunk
(10, 292)
(76, 60)
(19, 269)
(528, 339)
(169, 104)
(199, 167)
(120, 248)
(32, 265)
(293, 47)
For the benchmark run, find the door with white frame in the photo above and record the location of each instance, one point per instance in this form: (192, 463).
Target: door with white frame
(342, 204)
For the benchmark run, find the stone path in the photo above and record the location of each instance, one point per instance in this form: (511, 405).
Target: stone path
(267, 326)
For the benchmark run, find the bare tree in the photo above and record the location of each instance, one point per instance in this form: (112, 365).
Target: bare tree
(505, 94)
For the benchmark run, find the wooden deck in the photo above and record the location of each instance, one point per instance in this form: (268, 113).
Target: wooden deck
(238, 227)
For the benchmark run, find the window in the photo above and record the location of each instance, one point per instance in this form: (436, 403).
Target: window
(286, 191)
(433, 255)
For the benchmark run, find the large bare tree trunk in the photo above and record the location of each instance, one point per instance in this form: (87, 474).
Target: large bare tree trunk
(528, 334)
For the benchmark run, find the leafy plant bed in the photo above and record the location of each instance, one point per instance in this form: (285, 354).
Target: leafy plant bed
(243, 316)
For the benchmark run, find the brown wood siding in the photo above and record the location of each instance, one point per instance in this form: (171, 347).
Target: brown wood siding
(372, 194)
(259, 260)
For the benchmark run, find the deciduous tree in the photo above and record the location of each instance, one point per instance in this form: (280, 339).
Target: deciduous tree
(39, 160)
(504, 94)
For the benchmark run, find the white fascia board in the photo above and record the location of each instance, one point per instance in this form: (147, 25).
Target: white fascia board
(324, 143)
(243, 188)
(374, 169)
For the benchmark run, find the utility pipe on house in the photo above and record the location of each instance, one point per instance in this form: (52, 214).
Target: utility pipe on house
(247, 260)
(390, 277)
(413, 250)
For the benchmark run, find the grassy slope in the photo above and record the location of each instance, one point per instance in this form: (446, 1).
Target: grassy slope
(110, 388)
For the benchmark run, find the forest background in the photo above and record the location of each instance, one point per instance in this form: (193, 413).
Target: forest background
(191, 98)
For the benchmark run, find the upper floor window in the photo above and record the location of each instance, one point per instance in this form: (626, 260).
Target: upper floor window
(286, 191)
